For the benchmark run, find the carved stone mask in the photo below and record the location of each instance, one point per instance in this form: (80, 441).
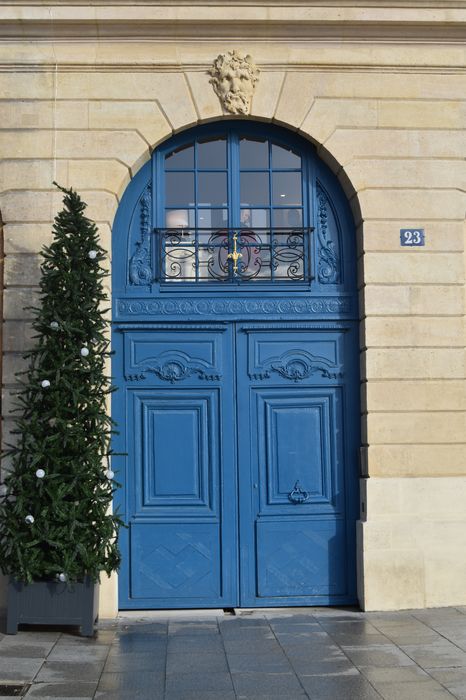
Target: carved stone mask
(234, 77)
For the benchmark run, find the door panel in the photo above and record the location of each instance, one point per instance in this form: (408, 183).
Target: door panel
(176, 562)
(293, 383)
(297, 444)
(301, 557)
(182, 489)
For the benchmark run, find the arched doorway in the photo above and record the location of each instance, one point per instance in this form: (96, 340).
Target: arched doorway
(236, 361)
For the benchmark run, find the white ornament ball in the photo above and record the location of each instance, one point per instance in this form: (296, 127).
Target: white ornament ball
(54, 325)
(45, 384)
(62, 577)
(29, 519)
(92, 254)
(109, 474)
(40, 473)
(84, 352)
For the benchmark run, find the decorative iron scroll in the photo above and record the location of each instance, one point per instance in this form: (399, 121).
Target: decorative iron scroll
(234, 255)
(297, 495)
(328, 258)
(140, 268)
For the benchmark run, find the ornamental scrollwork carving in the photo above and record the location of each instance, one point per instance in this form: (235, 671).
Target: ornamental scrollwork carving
(234, 77)
(174, 367)
(329, 263)
(296, 366)
(232, 307)
(140, 268)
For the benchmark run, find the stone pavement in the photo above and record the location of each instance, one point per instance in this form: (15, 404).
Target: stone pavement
(317, 653)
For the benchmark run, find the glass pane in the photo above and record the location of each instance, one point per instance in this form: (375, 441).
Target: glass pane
(212, 189)
(179, 218)
(286, 188)
(284, 157)
(179, 189)
(254, 188)
(253, 154)
(182, 157)
(212, 154)
(212, 218)
(254, 218)
(283, 218)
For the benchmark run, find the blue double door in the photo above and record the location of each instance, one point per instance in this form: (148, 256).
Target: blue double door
(241, 464)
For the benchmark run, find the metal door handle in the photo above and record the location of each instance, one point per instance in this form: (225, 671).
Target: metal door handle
(297, 495)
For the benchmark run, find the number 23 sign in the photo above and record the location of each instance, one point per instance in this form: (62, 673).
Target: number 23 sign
(412, 237)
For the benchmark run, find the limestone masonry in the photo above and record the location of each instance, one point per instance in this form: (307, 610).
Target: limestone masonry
(89, 90)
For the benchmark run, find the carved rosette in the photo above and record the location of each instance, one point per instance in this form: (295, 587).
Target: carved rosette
(140, 267)
(234, 77)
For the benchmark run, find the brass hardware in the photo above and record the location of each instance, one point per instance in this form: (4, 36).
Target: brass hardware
(235, 256)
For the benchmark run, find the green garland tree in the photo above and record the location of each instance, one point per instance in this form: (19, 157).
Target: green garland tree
(54, 514)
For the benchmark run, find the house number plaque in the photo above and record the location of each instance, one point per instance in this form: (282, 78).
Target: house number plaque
(412, 237)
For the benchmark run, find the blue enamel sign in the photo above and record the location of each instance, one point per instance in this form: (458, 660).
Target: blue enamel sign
(412, 237)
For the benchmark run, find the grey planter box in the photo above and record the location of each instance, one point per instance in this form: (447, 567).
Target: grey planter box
(53, 603)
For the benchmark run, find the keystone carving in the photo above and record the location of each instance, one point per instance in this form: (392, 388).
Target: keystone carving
(234, 77)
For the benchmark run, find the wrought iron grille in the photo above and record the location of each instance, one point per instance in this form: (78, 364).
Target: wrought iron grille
(234, 254)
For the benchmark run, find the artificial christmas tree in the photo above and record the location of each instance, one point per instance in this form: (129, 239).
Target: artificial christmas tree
(56, 531)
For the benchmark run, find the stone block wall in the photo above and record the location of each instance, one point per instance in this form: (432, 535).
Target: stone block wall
(386, 113)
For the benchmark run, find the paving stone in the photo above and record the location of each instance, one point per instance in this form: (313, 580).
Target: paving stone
(243, 646)
(121, 661)
(200, 662)
(202, 695)
(132, 682)
(20, 670)
(271, 684)
(183, 644)
(360, 639)
(183, 682)
(67, 690)
(307, 667)
(141, 643)
(452, 678)
(69, 670)
(24, 651)
(255, 696)
(413, 691)
(248, 633)
(244, 623)
(133, 694)
(436, 655)
(397, 674)
(343, 688)
(189, 628)
(377, 656)
(347, 626)
(302, 633)
(74, 653)
(314, 653)
(263, 663)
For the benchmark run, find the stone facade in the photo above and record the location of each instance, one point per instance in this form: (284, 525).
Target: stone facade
(88, 91)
